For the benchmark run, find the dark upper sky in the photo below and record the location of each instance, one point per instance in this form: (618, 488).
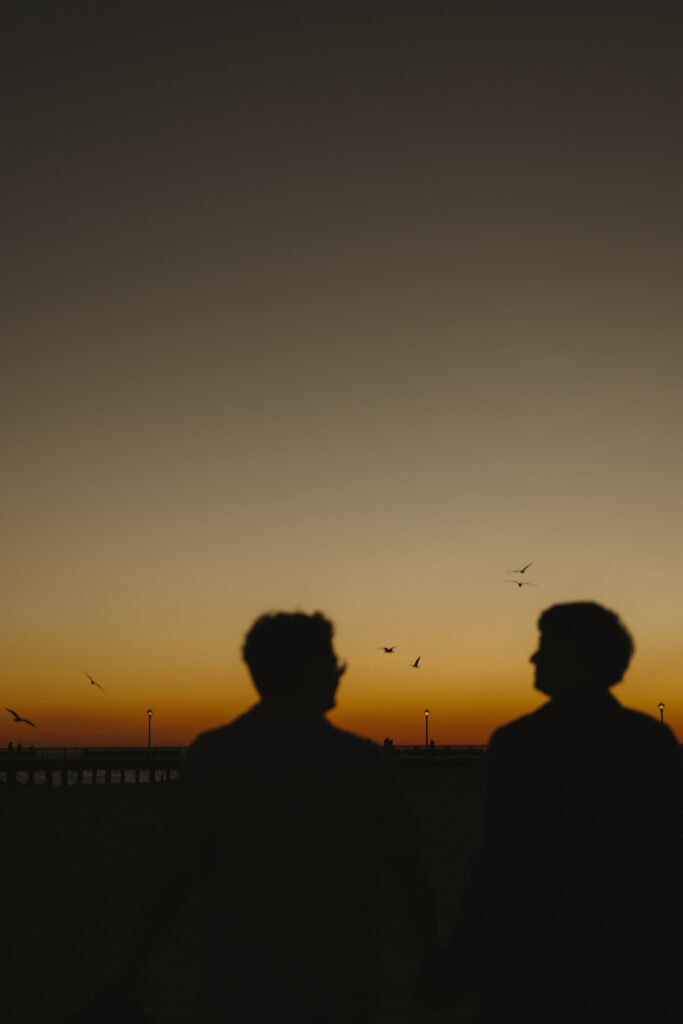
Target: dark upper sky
(175, 136)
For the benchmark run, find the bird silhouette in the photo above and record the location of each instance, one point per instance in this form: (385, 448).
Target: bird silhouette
(521, 583)
(387, 650)
(18, 718)
(416, 663)
(520, 570)
(93, 681)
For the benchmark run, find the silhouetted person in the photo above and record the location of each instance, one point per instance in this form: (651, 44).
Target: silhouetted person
(573, 911)
(285, 822)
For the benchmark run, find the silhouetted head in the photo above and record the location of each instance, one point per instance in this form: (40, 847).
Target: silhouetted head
(291, 658)
(583, 647)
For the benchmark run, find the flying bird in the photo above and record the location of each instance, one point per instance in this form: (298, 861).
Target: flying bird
(387, 650)
(520, 570)
(18, 718)
(93, 681)
(416, 663)
(522, 583)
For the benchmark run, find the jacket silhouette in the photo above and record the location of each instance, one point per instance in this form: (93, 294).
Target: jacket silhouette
(573, 907)
(285, 822)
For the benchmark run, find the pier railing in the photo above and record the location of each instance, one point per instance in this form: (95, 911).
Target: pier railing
(87, 753)
(457, 751)
(69, 766)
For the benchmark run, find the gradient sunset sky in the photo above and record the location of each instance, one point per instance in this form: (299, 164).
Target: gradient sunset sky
(337, 306)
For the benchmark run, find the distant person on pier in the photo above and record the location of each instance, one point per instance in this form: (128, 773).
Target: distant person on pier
(573, 911)
(285, 822)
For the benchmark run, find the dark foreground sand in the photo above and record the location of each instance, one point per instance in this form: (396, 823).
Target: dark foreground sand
(75, 865)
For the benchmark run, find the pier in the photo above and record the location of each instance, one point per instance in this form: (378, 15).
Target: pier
(90, 766)
(82, 766)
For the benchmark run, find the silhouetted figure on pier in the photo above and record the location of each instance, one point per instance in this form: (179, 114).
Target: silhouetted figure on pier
(285, 821)
(573, 911)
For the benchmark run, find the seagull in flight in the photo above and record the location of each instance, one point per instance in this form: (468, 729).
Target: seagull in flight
(93, 681)
(522, 583)
(520, 570)
(416, 663)
(18, 718)
(387, 650)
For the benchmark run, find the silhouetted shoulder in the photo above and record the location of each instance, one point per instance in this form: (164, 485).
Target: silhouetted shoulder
(511, 732)
(524, 737)
(643, 725)
(287, 738)
(354, 746)
(282, 721)
(196, 760)
(602, 720)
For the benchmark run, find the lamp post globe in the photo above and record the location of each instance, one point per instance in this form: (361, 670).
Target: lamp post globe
(427, 712)
(661, 712)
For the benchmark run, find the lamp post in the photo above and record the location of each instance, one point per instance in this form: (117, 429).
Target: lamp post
(427, 728)
(661, 712)
(149, 729)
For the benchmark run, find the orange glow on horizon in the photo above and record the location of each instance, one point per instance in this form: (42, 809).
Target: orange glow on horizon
(460, 712)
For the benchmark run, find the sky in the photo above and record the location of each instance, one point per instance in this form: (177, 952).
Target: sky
(350, 307)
